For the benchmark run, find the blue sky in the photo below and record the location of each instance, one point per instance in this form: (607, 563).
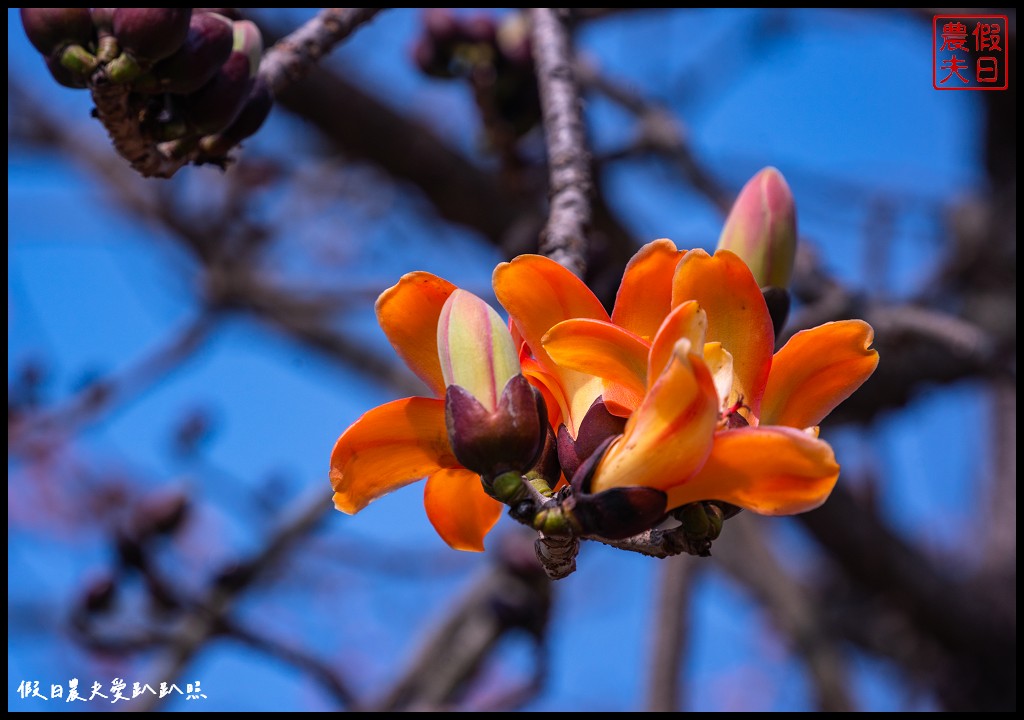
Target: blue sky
(841, 102)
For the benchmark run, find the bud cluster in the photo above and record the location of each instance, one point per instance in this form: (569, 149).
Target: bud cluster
(191, 72)
(494, 57)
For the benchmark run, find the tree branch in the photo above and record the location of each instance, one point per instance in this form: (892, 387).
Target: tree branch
(292, 57)
(746, 553)
(211, 614)
(564, 238)
(670, 634)
(513, 594)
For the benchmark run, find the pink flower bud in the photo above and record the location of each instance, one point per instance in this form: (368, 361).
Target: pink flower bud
(761, 228)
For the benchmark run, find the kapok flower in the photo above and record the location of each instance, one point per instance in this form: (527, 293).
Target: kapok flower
(462, 350)
(712, 414)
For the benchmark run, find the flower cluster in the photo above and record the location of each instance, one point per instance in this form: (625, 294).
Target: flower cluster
(190, 73)
(674, 398)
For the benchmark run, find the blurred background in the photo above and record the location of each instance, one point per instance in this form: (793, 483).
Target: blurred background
(182, 355)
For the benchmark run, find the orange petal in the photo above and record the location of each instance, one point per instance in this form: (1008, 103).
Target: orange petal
(816, 370)
(686, 320)
(554, 398)
(645, 294)
(408, 313)
(620, 400)
(599, 348)
(668, 438)
(770, 470)
(538, 293)
(459, 509)
(387, 448)
(737, 315)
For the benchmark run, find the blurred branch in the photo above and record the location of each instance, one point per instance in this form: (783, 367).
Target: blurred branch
(211, 614)
(564, 238)
(292, 57)
(918, 344)
(218, 241)
(659, 132)
(512, 594)
(1000, 556)
(319, 670)
(28, 431)
(670, 634)
(745, 552)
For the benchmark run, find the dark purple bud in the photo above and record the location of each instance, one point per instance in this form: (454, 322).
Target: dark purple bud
(230, 13)
(619, 512)
(427, 58)
(207, 46)
(255, 111)
(777, 300)
(151, 34)
(441, 24)
(580, 479)
(50, 29)
(547, 465)
(508, 439)
(103, 20)
(216, 104)
(597, 426)
(64, 76)
(480, 29)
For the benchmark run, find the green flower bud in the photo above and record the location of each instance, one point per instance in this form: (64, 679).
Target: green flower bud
(206, 48)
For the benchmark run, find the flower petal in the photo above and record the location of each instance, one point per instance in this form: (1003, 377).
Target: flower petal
(554, 398)
(599, 348)
(669, 436)
(816, 370)
(719, 363)
(645, 294)
(686, 320)
(387, 448)
(538, 293)
(770, 470)
(408, 313)
(459, 509)
(737, 315)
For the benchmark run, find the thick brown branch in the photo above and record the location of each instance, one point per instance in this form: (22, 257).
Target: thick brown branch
(513, 594)
(292, 57)
(564, 238)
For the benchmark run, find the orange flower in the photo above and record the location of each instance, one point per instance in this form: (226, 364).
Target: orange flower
(405, 440)
(687, 356)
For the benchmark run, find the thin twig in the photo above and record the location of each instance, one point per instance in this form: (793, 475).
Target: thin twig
(669, 634)
(564, 238)
(104, 394)
(323, 673)
(210, 614)
(659, 131)
(291, 58)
